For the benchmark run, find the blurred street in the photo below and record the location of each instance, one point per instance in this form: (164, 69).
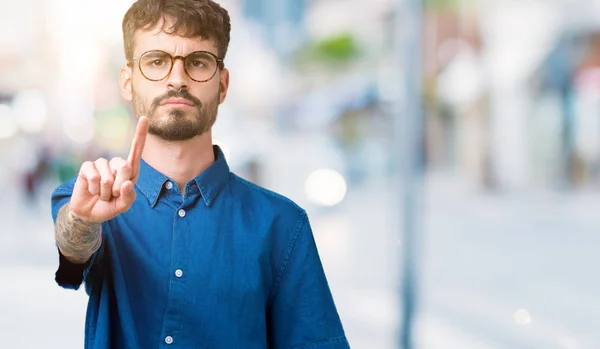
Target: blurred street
(481, 263)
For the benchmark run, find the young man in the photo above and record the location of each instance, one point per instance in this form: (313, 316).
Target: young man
(174, 249)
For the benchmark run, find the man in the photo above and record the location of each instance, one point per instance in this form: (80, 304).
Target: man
(174, 249)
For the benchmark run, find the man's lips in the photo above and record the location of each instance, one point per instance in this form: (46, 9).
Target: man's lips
(178, 102)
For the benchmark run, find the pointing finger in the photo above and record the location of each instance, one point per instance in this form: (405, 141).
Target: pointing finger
(137, 146)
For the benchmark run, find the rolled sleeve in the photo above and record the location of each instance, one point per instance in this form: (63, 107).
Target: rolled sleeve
(302, 312)
(71, 275)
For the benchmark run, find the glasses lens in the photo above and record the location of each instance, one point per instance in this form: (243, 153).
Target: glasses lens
(155, 65)
(201, 66)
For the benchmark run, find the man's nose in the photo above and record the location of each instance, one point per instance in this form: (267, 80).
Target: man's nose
(178, 78)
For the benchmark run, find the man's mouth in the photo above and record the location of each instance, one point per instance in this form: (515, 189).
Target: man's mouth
(177, 102)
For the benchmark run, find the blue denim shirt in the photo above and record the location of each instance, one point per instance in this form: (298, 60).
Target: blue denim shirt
(227, 265)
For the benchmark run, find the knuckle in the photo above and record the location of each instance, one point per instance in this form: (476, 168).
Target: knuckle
(93, 177)
(86, 166)
(117, 161)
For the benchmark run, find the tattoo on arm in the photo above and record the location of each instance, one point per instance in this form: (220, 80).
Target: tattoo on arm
(76, 239)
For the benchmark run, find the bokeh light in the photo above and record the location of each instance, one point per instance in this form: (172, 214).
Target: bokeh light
(8, 123)
(80, 133)
(325, 187)
(30, 110)
(522, 317)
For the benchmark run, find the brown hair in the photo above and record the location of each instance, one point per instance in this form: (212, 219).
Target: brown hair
(188, 18)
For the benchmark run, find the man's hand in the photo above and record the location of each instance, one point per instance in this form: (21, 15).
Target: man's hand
(104, 189)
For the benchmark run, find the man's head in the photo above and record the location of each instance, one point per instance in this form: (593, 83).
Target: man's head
(175, 73)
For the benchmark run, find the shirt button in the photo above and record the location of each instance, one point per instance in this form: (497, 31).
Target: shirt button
(178, 273)
(169, 185)
(169, 340)
(181, 213)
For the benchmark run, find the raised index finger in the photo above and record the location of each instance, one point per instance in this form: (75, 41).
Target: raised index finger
(137, 145)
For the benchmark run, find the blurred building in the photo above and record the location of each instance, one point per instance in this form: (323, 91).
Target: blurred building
(280, 21)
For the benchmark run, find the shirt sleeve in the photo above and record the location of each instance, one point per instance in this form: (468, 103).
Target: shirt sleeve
(302, 313)
(71, 275)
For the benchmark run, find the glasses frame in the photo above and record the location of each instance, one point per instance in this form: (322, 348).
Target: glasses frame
(220, 64)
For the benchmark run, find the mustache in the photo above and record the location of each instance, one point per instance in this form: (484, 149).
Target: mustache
(176, 94)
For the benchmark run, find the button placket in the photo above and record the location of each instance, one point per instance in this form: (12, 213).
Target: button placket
(177, 293)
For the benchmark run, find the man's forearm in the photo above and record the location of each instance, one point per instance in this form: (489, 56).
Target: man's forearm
(76, 239)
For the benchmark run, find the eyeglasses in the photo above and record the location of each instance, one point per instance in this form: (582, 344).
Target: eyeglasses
(200, 66)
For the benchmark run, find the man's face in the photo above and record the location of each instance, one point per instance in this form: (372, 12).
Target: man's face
(177, 107)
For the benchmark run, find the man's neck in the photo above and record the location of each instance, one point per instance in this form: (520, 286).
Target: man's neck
(181, 160)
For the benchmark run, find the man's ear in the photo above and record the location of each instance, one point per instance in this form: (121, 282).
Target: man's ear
(223, 84)
(125, 83)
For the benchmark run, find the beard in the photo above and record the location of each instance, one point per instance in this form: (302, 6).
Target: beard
(177, 126)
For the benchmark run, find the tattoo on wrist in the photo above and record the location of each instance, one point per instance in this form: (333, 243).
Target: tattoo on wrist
(76, 238)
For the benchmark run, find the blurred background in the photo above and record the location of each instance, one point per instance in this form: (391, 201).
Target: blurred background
(499, 228)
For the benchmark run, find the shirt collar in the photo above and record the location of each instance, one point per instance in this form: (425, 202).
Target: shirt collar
(210, 182)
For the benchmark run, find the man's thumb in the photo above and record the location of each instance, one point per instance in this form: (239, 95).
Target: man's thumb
(127, 196)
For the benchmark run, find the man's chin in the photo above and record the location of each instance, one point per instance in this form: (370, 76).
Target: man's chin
(177, 113)
(175, 137)
(172, 132)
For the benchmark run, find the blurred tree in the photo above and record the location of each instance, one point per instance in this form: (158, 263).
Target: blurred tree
(66, 168)
(332, 52)
(338, 48)
(442, 4)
